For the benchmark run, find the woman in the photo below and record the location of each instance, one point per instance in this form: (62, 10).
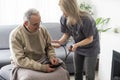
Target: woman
(81, 26)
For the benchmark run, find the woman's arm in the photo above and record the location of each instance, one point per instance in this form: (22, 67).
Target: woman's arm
(84, 42)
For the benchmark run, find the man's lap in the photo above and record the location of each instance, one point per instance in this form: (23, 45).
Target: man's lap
(59, 74)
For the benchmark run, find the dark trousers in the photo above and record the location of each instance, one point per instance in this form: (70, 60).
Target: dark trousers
(89, 64)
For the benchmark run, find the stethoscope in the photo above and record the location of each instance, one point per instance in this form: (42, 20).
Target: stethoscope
(67, 53)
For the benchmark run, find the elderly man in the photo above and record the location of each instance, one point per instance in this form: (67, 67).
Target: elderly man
(31, 51)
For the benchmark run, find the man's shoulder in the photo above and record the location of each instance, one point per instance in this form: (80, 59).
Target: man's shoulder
(43, 28)
(16, 30)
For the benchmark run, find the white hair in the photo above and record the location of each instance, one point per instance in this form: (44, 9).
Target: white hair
(29, 13)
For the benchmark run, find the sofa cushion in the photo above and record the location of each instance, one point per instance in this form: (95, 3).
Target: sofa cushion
(5, 72)
(1, 78)
(4, 57)
(60, 52)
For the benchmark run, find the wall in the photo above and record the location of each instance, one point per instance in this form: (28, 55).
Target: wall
(109, 8)
(11, 11)
(109, 42)
(106, 8)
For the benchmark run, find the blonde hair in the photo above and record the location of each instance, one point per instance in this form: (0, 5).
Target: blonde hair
(71, 8)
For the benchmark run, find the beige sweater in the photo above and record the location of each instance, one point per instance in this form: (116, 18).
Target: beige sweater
(27, 49)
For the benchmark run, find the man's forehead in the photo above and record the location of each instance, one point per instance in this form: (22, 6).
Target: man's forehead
(35, 18)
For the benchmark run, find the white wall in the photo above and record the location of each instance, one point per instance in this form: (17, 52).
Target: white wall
(11, 11)
(105, 9)
(109, 42)
(109, 8)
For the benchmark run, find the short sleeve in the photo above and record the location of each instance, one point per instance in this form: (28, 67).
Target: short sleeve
(63, 25)
(89, 26)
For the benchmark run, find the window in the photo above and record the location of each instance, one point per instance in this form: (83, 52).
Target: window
(12, 11)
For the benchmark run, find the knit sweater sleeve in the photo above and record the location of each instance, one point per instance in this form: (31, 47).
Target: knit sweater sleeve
(18, 56)
(49, 48)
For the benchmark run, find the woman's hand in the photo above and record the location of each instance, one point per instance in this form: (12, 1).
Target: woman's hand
(72, 47)
(56, 44)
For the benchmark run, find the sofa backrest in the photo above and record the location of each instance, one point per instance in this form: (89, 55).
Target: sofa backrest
(53, 29)
(4, 35)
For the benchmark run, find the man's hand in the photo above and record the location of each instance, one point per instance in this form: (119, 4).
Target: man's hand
(54, 61)
(49, 69)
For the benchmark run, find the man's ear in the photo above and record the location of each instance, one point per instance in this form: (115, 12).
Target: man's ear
(25, 23)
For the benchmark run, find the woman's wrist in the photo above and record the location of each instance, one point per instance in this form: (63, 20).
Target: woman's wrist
(77, 45)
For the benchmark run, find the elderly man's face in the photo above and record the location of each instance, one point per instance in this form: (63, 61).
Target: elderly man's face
(34, 23)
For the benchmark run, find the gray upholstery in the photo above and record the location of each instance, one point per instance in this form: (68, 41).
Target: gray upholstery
(53, 29)
(4, 57)
(5, 72)
(4, 44)
(4, 35)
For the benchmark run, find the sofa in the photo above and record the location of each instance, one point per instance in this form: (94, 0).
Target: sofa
(55, 32)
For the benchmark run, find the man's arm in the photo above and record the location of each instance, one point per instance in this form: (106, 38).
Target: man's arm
(17, 52)
(49, 48)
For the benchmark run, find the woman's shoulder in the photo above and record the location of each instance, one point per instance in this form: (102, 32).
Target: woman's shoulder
(63, 19)
(87, 17)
